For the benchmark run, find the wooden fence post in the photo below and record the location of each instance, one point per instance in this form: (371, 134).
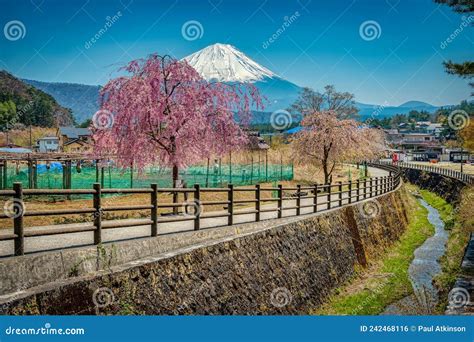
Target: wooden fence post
(280, 201)
(97, 214)
(365, 188)
(154, 210)
(350, 192)
(230, 205)
(18, 209)
(30, 174)
(358, 190)
(257, 202)
(315, 199)
(339, 190)
(35, 174)
(329, 196)
(298, 200)
(197, 203)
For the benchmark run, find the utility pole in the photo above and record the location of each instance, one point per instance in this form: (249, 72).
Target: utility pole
(7, 127)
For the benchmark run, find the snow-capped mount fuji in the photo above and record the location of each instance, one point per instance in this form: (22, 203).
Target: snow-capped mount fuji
(225, 63)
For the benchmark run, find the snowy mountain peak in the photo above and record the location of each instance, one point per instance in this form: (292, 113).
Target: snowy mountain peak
(224, 63)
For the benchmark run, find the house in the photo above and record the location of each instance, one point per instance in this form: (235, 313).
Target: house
(456, 155)
(393, 136)
(73, 139)
(435, 128)
(47, 144)
(422, 125)
(423, 146)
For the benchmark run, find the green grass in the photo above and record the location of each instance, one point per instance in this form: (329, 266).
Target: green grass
(446, 210)
(387, 281)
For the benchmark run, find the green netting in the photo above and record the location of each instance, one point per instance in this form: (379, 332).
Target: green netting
(111, 177)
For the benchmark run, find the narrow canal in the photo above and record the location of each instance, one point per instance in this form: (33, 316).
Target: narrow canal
(424, 267)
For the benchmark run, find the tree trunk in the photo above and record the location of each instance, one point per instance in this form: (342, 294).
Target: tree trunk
(175, 185)
(326, 172)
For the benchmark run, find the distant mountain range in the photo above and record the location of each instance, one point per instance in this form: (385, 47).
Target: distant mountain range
(379, 111)
(224, 63)
(80, 98)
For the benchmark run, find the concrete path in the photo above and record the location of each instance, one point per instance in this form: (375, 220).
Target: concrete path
(51, 242)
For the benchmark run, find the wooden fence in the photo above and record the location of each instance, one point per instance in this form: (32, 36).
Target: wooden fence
(324, 197)
(463, 177)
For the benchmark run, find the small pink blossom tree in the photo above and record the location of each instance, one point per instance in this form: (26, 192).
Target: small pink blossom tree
(165, 113)
(326, 140)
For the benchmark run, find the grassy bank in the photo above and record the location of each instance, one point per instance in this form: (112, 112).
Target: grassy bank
(386, 280)
(460, 222)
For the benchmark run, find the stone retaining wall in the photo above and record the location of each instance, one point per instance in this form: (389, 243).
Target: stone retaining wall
(287, 266)
(446, 187)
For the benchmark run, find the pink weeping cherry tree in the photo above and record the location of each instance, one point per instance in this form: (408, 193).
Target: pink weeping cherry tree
(164, 113)
(326, 141)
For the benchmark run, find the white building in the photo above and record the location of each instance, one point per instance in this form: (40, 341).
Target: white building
(435, 128)
(48, 144)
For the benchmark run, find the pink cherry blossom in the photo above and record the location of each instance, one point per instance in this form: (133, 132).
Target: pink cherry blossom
(326, 141)
(165, 113)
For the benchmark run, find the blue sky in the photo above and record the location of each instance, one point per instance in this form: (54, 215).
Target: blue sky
(323, 45)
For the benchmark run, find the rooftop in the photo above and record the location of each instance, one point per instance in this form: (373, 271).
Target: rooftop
(74, 132)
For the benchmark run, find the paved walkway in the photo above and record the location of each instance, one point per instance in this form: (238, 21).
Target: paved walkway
(43, 243)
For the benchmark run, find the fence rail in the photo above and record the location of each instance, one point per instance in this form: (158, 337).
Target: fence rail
(317, 197)
(463, 177)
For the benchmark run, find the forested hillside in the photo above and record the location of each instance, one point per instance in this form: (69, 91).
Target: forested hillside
(21, 103)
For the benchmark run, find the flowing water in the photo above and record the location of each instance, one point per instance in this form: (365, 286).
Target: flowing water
(422, 270)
